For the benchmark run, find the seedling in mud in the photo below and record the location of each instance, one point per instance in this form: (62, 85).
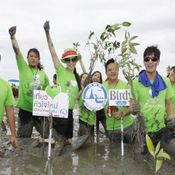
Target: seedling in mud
(158, 154)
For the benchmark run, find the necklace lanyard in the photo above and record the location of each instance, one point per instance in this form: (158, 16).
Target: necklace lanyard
(36, 81)
(34, 74)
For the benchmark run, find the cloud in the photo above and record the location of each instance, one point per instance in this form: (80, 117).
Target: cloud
(71, 21)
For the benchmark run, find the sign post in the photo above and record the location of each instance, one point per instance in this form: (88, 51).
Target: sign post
(95, 98)
(120, 97)
(50, 103)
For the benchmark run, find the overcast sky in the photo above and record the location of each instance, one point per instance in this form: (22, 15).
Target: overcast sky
(72, 20)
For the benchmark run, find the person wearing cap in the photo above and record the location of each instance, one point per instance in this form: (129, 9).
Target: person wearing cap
(69, 81)
(6, 102)
(31, 77)
(156, 101)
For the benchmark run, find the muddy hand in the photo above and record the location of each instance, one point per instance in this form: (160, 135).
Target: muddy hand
(14, 142)
(135, 108)
(12, 31)
(170, 123)
(46, 26)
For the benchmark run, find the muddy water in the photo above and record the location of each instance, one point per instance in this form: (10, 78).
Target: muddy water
(102, 158)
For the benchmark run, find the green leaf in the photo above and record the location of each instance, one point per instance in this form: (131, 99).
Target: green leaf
(157, 148)
(103, 36)
(133, 50)
(158, 164)
(166, 156)
(160, 154)
(134, 37)
(107, 27)
(126, 24)
(115, 27)
(90, 35)
(135, 44)
(150, 146)
(124, 49)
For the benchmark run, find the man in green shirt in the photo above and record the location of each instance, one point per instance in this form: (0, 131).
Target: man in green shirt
(113, 121)
(7, 102)
(154, 95)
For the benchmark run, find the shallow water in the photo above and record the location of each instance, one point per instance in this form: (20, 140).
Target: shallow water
(99, 159)
(102, 158)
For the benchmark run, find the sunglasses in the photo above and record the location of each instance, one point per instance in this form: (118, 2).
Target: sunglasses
(67, 60)
(148, 58)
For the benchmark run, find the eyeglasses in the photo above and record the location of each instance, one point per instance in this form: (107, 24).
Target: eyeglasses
(148, 58)
(67, 60)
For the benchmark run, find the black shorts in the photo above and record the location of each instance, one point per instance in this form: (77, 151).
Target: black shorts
(64, 126)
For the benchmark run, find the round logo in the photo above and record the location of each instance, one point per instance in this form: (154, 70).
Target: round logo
(94, 96)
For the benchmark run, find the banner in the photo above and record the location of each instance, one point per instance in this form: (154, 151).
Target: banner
(119, 97)
(46, 103)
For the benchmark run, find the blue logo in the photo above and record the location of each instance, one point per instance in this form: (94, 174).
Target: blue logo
(94, 96)
(63, 112)
(121, 103)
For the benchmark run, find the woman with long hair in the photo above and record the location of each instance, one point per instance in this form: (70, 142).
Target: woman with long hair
(69, 81)
(31, 77)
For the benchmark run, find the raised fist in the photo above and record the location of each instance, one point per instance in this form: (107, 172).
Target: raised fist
(12, 31)
(46, 26)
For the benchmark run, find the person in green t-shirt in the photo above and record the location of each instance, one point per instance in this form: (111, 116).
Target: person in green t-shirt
(154, 95)
(100, 114)
(86, 117)
(6, 102)
(171, 76)
(31, 77)
(114, 113)
(69, 81)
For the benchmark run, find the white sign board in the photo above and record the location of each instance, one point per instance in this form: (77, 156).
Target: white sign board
(94, 96)
(44, 105)
(119, 97)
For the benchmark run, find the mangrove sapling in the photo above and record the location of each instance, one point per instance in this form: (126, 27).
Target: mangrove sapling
(158, 154)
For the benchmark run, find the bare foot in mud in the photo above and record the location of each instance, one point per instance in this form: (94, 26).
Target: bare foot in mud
(12, 30)
(46, 26)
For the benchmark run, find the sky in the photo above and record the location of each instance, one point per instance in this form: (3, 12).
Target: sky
(72, 20)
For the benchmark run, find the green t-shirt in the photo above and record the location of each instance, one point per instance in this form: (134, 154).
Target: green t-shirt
(111, 122)
(30, 79)
(173, 98)
(66, 79)
(6, 97)
(153, 109)
(86, 115)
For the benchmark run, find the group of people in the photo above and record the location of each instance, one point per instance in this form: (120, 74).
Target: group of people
(153, 96)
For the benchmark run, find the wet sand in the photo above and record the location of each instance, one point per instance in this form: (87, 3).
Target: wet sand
(102, 158)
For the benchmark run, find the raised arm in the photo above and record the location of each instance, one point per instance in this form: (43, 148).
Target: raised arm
(12, 32)
(55, 59)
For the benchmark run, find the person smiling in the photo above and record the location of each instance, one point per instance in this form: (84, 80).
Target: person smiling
(70, 83)
(31, 77)
(154, 95)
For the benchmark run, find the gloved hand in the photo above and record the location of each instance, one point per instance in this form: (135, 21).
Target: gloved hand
(170, 123)
(135, 108)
